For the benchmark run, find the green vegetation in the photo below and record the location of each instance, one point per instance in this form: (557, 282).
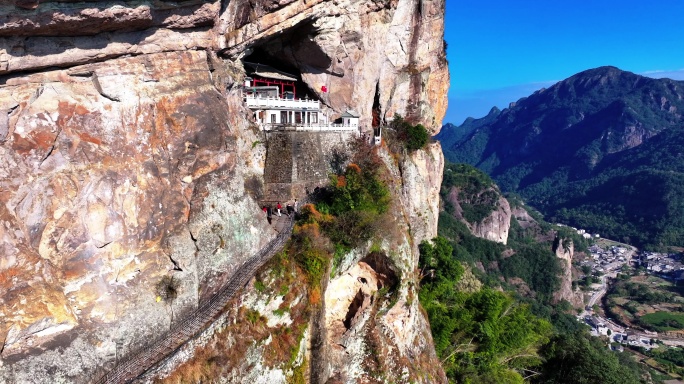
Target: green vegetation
(663, 321)
(640, 293)
(579, 243)
(401, 132)
(253, 316)
(645, 302)
(347, 213)
(478, 197)
(579, 358)
(356, 200)
(167, 288)
(531, 261)
(451, 134)
(669, 359)
(485, 336)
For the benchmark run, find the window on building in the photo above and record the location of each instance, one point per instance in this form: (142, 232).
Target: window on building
(273, 118)
(314, 117)
(283, 117)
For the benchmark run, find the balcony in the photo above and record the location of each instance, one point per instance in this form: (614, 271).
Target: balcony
(321, 127)
(255, 102)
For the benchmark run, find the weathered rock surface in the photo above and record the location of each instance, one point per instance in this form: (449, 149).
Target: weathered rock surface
(369, 328)
(496, 225)
(128, 156)
(105, 189)
(366, 331)
(564, 250)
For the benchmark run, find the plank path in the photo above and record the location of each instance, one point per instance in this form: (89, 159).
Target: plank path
(140, 361)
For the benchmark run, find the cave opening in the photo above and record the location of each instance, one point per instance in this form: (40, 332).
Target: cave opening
(287, 56)
(353, 309)
(377, 121)
(387, 271)
(264, 69)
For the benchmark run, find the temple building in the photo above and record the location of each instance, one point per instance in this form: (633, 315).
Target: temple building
(272, 95)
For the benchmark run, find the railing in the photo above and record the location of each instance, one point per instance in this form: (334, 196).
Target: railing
(277, 102)
(309, 127)
(147, 356)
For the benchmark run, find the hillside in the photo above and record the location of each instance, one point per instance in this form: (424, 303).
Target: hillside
(598, 150)
(493, 308)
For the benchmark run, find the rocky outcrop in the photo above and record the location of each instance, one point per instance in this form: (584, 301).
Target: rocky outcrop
(564, 250)
(129, 156)
(367, 327)
(495, 225)
(107, 189)
(358, 50)
(365, 330)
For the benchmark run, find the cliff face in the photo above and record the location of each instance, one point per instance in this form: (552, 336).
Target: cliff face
(129, 156)
(493, 226)
(565, 250)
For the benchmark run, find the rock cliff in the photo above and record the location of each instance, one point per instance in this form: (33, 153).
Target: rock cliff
(130, 161)
(565, 249)
(495, 224)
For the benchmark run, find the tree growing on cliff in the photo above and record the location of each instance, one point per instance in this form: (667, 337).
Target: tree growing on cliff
(356, 199)
(412, 137)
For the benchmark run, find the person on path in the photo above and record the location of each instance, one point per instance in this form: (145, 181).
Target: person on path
(279, 207)
(289, 209)
(269, 214)
(295, 206)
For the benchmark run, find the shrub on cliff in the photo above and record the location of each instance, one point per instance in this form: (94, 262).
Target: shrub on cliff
(402, 133)
(356, 199)
(167, 288)
(347, 213)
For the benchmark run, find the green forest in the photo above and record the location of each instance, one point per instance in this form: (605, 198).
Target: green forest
(496, 333)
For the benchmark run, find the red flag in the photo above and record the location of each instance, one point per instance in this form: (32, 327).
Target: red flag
(324, 89)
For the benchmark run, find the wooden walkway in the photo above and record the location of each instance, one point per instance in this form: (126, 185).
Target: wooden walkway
(140, 361)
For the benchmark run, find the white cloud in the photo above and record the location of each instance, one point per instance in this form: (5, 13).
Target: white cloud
(676, 74)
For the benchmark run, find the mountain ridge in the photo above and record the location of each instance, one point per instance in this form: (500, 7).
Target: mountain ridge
(571, 148)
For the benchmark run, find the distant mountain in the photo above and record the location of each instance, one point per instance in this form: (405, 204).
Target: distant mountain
(450, 134)
(603, 149)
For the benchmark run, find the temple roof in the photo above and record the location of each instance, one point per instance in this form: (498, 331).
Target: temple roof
(268, 72)
(350, 113)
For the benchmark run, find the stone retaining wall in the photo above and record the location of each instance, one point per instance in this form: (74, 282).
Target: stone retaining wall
(297, 161)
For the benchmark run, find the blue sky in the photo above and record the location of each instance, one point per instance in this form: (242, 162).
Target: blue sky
(499, 51)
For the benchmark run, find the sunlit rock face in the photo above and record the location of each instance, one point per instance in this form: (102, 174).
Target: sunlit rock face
(128, 155)
(496, 225)
(565, 251)
(116, 174)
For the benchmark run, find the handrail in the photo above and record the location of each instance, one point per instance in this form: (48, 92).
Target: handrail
(309, 127)
(281, 102)
(145, 357)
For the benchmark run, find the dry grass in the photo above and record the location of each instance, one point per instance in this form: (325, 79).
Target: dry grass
(227, 348)
(315, 296)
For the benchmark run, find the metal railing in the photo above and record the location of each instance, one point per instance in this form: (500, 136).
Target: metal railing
(141, 360)
(279, 102)
(320, 127)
